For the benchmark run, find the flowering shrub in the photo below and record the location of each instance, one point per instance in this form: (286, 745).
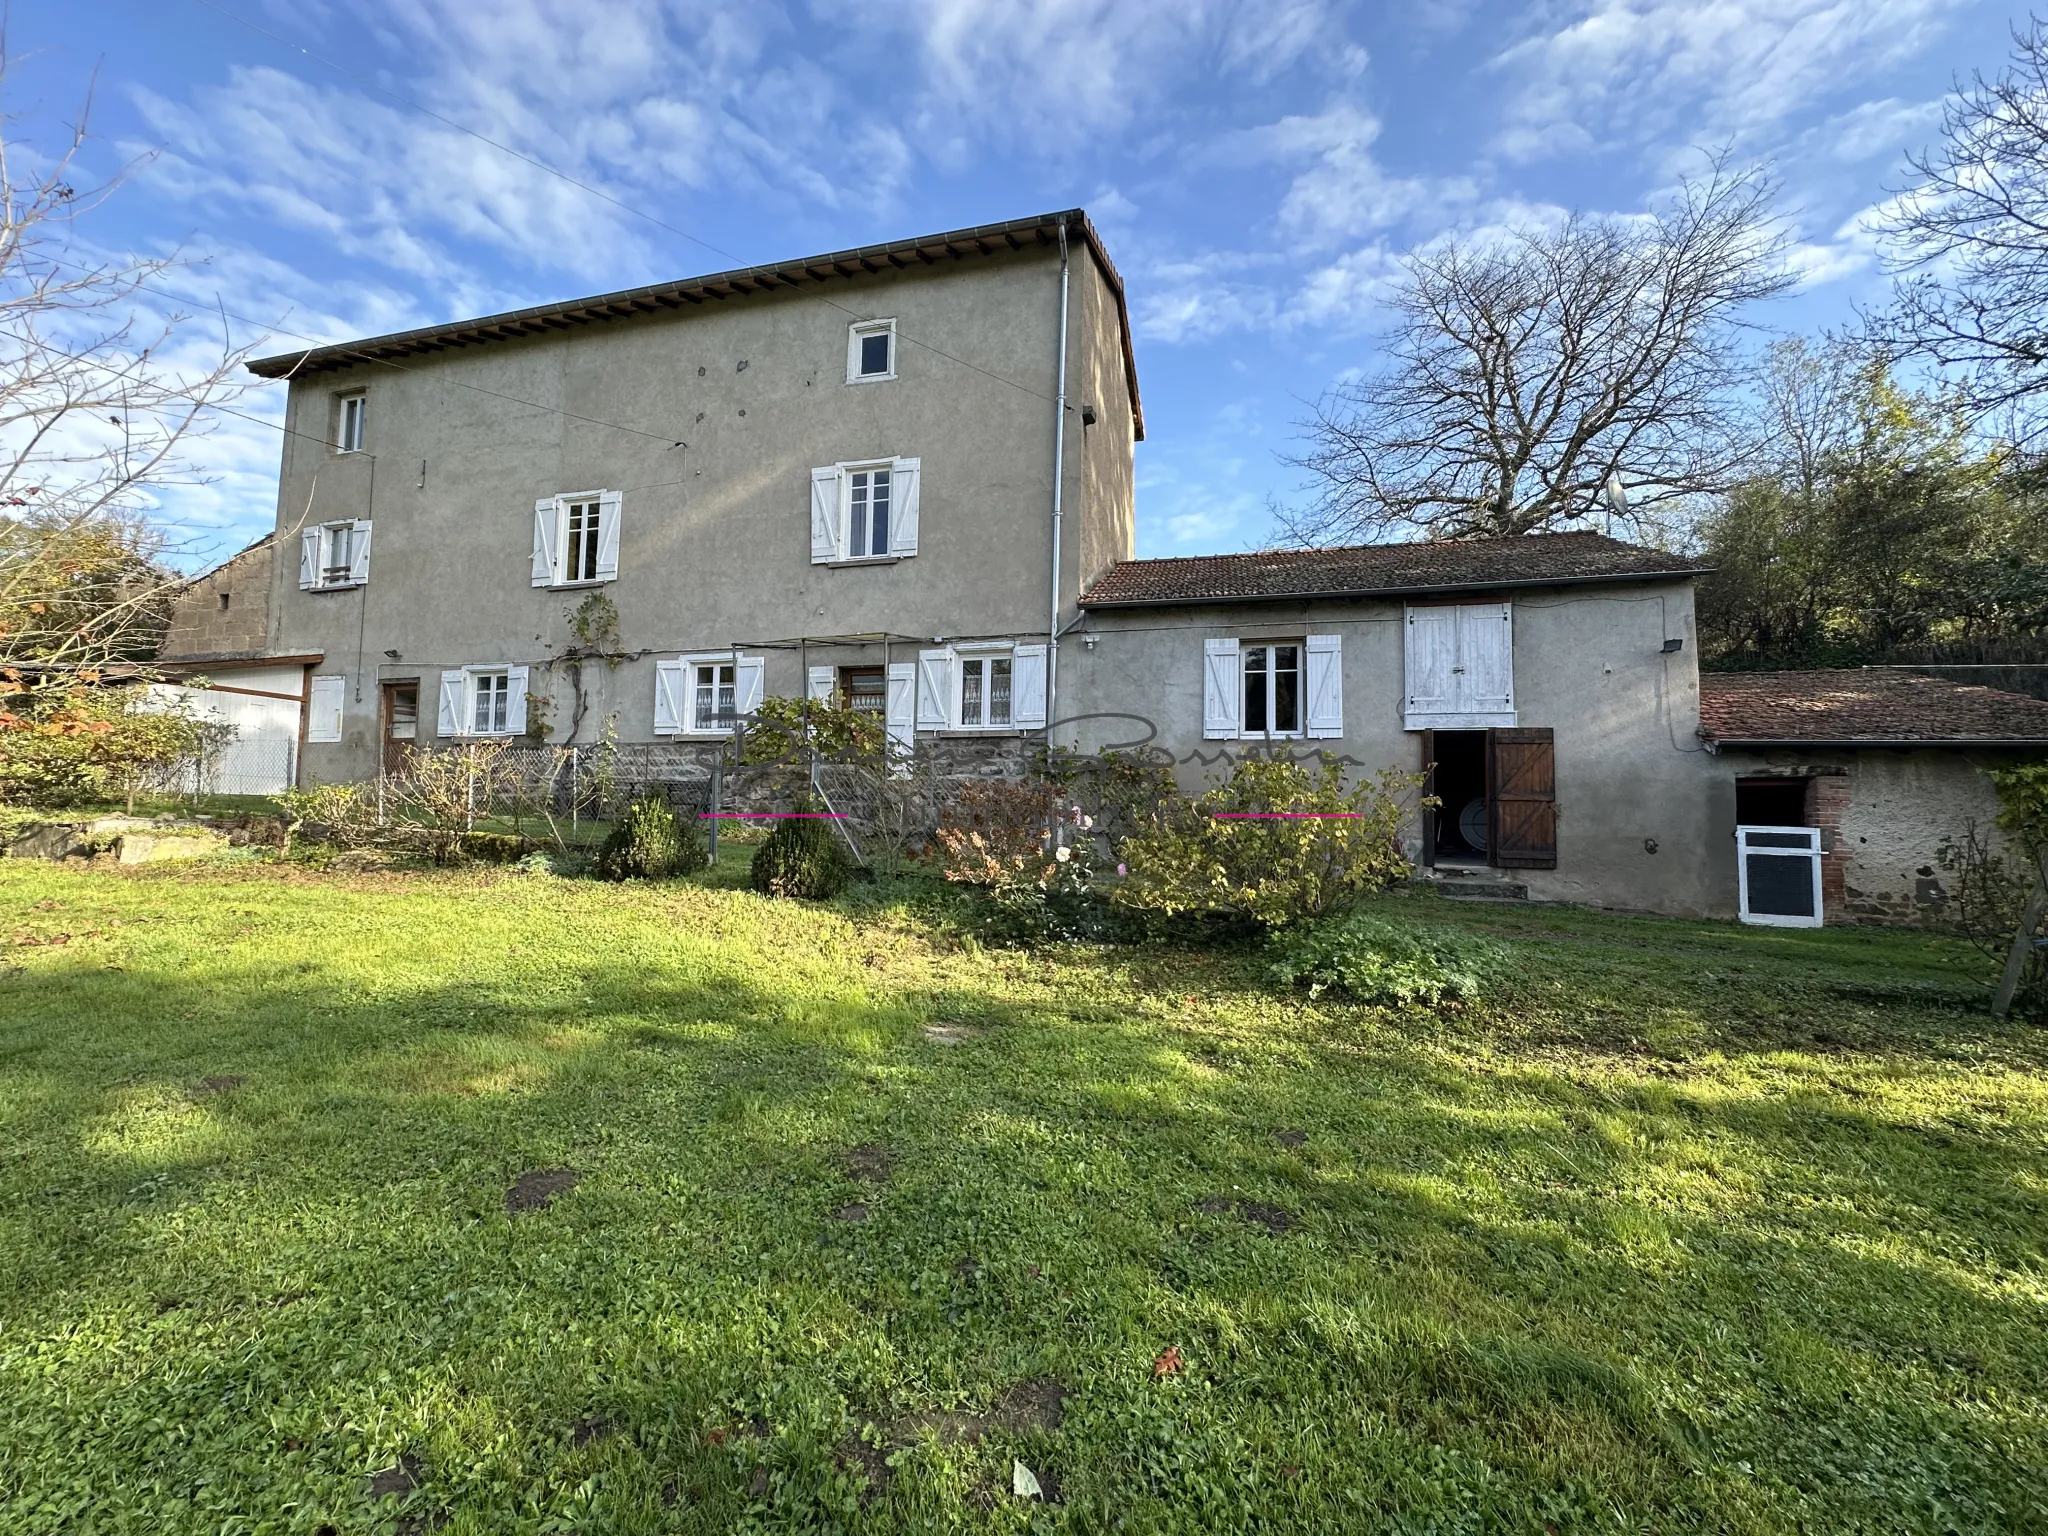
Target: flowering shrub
(1229, 853)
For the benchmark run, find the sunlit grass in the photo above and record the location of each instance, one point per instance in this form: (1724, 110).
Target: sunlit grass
(1687, 1227)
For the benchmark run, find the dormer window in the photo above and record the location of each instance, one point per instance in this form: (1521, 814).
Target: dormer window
(870, 351)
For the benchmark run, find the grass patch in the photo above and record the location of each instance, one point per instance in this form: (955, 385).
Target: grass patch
(375, 1201)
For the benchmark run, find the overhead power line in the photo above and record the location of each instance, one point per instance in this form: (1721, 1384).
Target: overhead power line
(560, 175)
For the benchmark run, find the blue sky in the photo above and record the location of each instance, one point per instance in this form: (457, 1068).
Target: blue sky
(1255, 169)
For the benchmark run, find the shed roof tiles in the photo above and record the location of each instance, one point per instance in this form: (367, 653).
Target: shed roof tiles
(1366, 570)
(1867, 706)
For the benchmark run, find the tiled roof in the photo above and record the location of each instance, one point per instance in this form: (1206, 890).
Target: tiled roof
(1869, 704)
(1364, 570)
(718, 287)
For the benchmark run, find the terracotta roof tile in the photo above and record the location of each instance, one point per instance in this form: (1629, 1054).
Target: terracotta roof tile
(1875, 704)
(1542, 559)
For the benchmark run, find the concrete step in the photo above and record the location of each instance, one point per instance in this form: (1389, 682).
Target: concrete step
(1464, 884)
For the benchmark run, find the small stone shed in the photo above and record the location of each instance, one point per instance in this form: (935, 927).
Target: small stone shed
(1888, 763)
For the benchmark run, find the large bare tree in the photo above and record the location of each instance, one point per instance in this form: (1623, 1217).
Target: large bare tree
(1969, 240)
(101, 401)
(1526, 371)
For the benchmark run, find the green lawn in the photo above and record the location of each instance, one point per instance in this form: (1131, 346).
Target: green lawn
(1693, 1228)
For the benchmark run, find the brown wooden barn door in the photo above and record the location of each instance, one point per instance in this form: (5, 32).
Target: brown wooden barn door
(1429, 815)
(1521, 778)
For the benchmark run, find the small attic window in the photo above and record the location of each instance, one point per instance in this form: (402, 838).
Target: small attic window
(870, 351)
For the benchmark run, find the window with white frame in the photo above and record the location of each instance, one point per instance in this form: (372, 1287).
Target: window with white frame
(870, 351)
(348, 422)
(982, 686)
(334, 555)
(705, 695)
(864, 510)
(576, 538)
(483, 701)
(1269, 689)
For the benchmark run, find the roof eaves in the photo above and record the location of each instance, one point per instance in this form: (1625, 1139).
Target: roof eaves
(982, 239)
(1847, 743)
(1359, 593)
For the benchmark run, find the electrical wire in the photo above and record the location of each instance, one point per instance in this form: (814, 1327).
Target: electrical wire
(584, 186)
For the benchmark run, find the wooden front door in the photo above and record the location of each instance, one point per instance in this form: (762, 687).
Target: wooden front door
(401, 722)
(1521, 778)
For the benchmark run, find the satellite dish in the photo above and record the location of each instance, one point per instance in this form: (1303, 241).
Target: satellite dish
(1617, 499)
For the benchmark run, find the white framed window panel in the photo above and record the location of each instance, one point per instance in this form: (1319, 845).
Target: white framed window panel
(1273, 689)
(865, 509)
(980, 686)
(334, 555)
(870, 351)
(482, 701)
(349, 414)
(1458, 662)
(706, 695)
(323, 708)
(1778, 871)
(576, 538)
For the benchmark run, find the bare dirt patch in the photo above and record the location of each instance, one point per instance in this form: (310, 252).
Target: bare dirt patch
(944, 1033)
(227, 1082)
(396, 1481)
(589, 1431)
(1291, 1140)
(1276, 1220)
(854, 1212)
(866, 1162)
(1037, 1404)
(535, 1189)
(871, 1462)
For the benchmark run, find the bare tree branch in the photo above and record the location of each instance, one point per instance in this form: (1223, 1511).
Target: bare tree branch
(1526, 371)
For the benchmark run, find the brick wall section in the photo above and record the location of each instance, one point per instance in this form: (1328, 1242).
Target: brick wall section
(202, 626)
(1827, 802)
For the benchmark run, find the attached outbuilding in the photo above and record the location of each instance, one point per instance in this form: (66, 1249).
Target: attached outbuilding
(1882, 765)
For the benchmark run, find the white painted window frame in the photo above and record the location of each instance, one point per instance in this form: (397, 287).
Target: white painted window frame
(748, 677)
(983, 651)
(351, 420)
(858, 332)
(551, 538)
(1812, 853)
(1246, 644)
(316, 543)
(517, 680)
(832, 527)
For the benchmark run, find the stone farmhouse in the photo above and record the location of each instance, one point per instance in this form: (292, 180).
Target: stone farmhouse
(904, 476)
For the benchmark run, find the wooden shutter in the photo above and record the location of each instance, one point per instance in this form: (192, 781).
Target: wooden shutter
(359, 567)
(546, 530)
(609, 506)
(903, 484)
(902, 711)
(935, 690)
(309, 559)
(819, 684)
(323, 712)
(1486, 652)
(454, 703)
(670, 682)
(1220, 688)
(1027, 687)
(1325, 658)
(824, 515)
(515, 700)
(1429, 654)
(1521, 777)
(747, 674)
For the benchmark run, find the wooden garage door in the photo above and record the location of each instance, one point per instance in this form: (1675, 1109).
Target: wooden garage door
(1521, 771)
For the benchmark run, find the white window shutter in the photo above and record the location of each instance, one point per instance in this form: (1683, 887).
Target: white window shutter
(935, 690)
(669, 685)
(515, 700)
(1486, 652)
(903, 484)
(824, 515)
(747, 672)
(1027, 687)
(454, 703)
(1325, 685)
(609, 505)
(359, 567)
(309, 559)
(901, 715)
(819, 684)
(323, 709)
(1428, 655)
(1220, 688)
(546, 532)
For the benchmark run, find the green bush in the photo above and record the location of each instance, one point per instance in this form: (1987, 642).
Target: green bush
(802, 857)
(650, 841)
(1385, 963)
(494, 847)
(1218, 855)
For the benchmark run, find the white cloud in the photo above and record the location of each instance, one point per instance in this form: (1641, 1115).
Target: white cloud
(1634, 71)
